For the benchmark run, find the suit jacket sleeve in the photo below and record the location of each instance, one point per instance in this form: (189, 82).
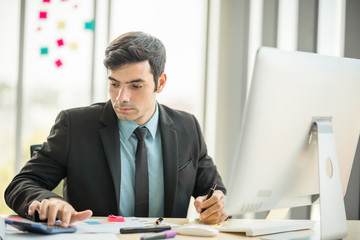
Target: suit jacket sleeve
(206, 172)
(43, 172)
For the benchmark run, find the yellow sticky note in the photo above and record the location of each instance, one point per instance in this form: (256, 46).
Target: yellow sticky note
(73, 46)
(61, 25)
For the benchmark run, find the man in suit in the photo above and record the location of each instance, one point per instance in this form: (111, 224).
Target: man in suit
(95, 149)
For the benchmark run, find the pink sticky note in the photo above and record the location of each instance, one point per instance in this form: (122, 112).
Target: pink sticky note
(46, 1)
(113, 218)
(60, 42)
(43, 15)
(58, 63)
(14, 219)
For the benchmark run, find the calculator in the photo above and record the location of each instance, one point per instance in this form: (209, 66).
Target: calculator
(41, 228)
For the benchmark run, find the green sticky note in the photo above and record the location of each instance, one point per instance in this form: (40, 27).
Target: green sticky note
(44, 50)
(90, 25)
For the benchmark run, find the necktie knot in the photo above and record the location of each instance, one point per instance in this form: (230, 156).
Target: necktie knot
(141, 133)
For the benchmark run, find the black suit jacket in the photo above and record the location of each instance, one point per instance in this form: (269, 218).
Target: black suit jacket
(84, 148)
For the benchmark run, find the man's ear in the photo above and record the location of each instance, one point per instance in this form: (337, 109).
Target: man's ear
(161, 82)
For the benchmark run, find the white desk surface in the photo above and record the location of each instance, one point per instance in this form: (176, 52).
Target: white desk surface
(353, 231)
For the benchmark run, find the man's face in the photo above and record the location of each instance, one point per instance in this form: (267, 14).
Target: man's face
(132, 94)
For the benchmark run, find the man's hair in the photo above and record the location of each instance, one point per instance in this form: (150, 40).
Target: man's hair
(134, 47)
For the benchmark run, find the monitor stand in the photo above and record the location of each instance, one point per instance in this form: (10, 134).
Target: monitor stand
(333, 223)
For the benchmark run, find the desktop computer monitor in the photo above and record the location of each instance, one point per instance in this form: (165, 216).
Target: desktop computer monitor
(275, 166)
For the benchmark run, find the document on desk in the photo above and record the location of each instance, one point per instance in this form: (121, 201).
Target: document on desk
(93, 228)
(95, 225)
(15, 234)
(73, 236)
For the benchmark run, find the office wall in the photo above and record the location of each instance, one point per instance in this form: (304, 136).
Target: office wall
(231, 77)
(352, 29)
(352, 50)
(307, 29)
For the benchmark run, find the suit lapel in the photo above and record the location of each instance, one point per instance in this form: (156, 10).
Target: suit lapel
(110, 139)
(111, 143)
(169, 141)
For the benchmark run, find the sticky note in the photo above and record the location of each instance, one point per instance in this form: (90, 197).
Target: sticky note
(60, 42)
(113, 218)
(46, 1)
(90, 25)
(92, 222)
(42, 15)
(61, 25)
(73, 46)
(58, 63)
(43, 50)
(14, 219)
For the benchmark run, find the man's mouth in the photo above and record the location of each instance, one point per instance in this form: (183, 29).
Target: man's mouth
(122, 109)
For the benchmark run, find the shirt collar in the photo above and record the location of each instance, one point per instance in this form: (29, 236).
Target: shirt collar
(128, 127)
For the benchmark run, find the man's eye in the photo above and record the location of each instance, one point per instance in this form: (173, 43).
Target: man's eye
(137, 86)
(114, 84)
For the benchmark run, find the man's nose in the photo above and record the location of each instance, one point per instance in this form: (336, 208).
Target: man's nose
(123, 95)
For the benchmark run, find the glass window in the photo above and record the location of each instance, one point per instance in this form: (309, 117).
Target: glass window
(57, 63)
(9, 45)
(181, 26)
(56, 72)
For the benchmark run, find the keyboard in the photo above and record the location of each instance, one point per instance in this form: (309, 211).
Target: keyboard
(255, 227)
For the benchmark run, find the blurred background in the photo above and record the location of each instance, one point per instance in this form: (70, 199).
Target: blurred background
(51, 54)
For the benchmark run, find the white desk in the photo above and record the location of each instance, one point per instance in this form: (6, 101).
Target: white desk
(353, 231)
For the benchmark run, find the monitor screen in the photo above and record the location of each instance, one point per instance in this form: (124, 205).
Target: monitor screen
(275, 166)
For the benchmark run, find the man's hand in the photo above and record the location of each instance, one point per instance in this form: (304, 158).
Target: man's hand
(53, 208)
(214, 208)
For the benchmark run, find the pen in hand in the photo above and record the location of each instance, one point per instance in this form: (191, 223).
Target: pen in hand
(210, 193)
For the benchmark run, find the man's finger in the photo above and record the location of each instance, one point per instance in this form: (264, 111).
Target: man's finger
(67, 212)
(43, 209)
(81, 216)
(215, 219)
(213, 212)
(197, 203)
(216, 197)
(35, 205)
(223, 217)
(52, 214)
